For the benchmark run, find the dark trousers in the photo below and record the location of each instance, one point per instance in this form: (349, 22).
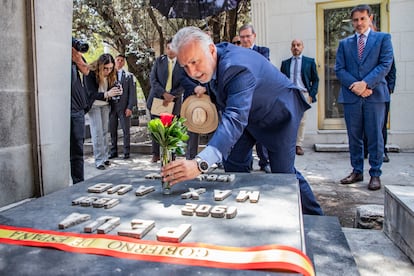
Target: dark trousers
(365, 119)
(155, 145)
(384, 131)
(281, 161)
(262, 154)
(115, 114)
(77, 136)
(192, 145)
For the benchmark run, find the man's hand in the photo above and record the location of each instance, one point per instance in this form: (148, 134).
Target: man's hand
(180, 170)
(128, 112)
(366, 93)
(168, 98)
(358, 87)
(199, 90)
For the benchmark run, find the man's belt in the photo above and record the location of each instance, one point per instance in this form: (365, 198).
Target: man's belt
(267, 257)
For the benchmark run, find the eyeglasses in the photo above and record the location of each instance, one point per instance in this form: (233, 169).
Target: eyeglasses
(108, 68)
(246, 36)
(236, 42)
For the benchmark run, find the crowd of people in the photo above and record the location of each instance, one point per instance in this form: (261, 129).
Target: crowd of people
(258, 104)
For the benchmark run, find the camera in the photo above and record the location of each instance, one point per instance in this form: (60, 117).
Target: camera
(80, 45)
(119, 85)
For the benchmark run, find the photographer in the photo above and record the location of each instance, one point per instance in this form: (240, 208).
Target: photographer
(79, 106)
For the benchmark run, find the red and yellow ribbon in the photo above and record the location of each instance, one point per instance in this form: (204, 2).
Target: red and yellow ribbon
(267, 257)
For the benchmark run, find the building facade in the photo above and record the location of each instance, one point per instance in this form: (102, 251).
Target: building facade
(321, 24)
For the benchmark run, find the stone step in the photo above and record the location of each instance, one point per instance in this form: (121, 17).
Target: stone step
(399, 217)
(340, 147)
(327, 246)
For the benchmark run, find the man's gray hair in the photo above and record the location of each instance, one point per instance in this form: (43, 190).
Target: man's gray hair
(189, 34)
(246, 27)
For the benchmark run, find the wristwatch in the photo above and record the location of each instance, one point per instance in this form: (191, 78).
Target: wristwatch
(202, 165)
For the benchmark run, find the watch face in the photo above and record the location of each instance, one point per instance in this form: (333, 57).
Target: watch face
(203, 166)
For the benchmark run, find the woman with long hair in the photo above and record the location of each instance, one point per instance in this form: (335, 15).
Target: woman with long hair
(101, 87)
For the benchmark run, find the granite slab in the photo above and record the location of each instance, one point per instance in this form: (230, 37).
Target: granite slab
(274, 219)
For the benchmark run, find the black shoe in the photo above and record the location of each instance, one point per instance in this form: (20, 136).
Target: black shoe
(107, 163)
(155, 158)
(113, 155)
(101, 167)
(266, 169)
(386, 159)
(126, 156)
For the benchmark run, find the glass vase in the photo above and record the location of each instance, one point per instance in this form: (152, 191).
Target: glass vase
(166, 157)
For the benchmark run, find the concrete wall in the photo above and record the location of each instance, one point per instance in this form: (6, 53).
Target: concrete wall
(35, 97)
(277, 22)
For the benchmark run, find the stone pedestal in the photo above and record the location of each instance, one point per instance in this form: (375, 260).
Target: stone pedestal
(399, 217)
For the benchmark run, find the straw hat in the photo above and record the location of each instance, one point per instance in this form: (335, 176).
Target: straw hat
(201, 114)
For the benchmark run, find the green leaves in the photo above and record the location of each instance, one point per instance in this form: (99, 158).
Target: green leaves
(172, 137)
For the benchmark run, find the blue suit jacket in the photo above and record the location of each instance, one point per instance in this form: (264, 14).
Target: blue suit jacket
(308, 72)
(372, 68)
(158, 79)
(264, 51)
(251, 93)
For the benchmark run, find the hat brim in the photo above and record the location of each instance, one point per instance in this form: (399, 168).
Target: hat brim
(200, 113)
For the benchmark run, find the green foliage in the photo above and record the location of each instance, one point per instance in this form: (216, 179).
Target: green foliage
(134, 28)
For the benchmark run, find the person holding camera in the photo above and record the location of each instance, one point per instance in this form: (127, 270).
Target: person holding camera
(101, 87)
(78, 109)
(121, 108)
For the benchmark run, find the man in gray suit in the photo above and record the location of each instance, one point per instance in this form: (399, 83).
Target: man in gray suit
(362, 62)
(121, 108)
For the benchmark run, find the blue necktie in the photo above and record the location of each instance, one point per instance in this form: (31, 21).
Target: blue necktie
(295, 71)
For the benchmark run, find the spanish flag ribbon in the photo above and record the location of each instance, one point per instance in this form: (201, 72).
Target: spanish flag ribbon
(278, 258)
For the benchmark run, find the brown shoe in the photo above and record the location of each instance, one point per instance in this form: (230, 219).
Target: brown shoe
(299, 150)
(352, 178)
(155, 158)
(374, 183)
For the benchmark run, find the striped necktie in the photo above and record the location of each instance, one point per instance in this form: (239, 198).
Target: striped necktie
(361, 46)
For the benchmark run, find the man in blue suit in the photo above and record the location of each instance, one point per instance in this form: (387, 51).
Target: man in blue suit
(163, 89)
(301, 70)
(257, 104)
(247, 37)
(362, 62)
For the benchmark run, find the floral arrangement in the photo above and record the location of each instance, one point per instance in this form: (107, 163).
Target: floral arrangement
(169, 132)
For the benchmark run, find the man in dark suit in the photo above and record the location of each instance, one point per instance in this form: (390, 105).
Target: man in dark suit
(121, 109)
(301, 70)
(257, 104)
(169, 90)
(247, 37)
(362, 62)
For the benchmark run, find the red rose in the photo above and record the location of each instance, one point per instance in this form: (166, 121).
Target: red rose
(166, 119)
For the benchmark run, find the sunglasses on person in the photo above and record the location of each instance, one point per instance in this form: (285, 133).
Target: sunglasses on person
(236, 42)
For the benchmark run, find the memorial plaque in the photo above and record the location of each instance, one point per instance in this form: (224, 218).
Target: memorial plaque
(274, 219)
